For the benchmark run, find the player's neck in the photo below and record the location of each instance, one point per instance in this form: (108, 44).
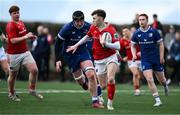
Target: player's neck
(102, 26)
(145, 28)
(16, 21)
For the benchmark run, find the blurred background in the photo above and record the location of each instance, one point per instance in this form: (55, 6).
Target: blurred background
(46, 17)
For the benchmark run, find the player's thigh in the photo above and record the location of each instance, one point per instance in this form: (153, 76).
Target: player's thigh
(148, 74)
(135, 71)
(5, 65)
(111, 69)
(30, 63)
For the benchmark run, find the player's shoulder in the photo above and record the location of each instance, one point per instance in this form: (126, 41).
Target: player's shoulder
(68, 26)
(87, 23)
(153, 30)
(10, 24)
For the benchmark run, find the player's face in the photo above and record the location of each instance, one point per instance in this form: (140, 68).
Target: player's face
(97, 20)
(126, 33)
(143, 22)
(15, 15)
(177, 35)
(79, 23)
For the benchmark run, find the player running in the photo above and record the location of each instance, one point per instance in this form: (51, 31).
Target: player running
(134, 66)
(105, 59)
(19, 55)
(80, 62)
(152, 55)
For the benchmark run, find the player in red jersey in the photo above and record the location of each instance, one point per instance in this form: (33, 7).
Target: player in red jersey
(134, 66)
(18, 54)
(105, 59)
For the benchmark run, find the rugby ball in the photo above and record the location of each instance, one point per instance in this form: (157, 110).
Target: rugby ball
(106, 37)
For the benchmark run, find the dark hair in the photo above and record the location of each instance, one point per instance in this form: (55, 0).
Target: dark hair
(145, 15)
(13, 8)
(78, 15)
(99, 12)
(125, 27)
(155, 16)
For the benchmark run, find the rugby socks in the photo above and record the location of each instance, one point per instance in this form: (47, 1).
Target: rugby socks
(156, 97)
(94, 99)
(136, 87)
(11, 91)
(99, 91)
(32, 86)
(111, 91)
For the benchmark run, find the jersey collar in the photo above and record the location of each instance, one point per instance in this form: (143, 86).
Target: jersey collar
(144, 30)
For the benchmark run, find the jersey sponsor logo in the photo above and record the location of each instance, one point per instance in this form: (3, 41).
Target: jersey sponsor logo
(139, 35)
(146, 42)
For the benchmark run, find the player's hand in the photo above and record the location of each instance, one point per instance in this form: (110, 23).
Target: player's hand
(139, 54)
(33, 37)
(58, 66)
(125, 59)
(162, 60)
(72, 48)
(134, 58)
(30, 35)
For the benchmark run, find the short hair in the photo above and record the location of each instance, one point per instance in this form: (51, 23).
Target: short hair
(125, 27)
(155, 16)
(78, 15)
(145, 15)
(13, 8)
(99, 12)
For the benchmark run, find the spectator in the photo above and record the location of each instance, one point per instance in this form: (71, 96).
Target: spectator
(174, 58)
(136, 22)
(169, 36)
(41, 52)
(157, 25)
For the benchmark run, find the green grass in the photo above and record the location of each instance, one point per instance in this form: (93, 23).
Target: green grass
(58, 102)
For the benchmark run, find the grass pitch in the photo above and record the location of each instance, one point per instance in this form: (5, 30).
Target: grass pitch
(69, 98)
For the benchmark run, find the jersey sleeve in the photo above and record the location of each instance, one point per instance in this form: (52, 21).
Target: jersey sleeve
(89, 33)
(134, 39)
(157, 37)
(115, 35)
(63, 32)
(11, 30)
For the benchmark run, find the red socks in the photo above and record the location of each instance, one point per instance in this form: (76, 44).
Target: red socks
(32, 86)
(111, 91)
(136, 87)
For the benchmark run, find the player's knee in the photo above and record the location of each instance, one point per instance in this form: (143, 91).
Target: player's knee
(90, 75)
(150, 79)
(111, 80)
(135, 74)
(34, 71)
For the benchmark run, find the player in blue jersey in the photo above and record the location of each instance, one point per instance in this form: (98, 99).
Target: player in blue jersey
(152, 55)
(80, 62)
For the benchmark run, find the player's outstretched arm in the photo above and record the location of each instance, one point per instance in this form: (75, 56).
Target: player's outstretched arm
(74, 47)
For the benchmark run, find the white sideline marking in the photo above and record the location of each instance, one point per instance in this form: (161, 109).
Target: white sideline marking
(82, 91)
